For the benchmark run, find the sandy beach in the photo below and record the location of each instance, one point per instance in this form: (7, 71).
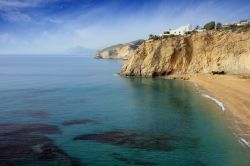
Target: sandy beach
(234, 92)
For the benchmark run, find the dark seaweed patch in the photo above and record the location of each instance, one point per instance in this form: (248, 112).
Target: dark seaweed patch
(141, 162)
(31, 113)
(132, 140)
(195, 162)
(27, 144)
(78, 121)
(121, 158)
(131, 161)
(9, 129)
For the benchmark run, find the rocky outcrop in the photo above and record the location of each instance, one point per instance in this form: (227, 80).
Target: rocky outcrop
(119, 51)
(206, 52)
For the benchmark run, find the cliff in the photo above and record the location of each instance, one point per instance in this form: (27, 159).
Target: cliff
(205, 52)
(119, 51)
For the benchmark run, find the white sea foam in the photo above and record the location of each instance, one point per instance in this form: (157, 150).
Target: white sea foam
(241, 140)
(245, 142)
(209, 97)
(216, 101)
(116, 75)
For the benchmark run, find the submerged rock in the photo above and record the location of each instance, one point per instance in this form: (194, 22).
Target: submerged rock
(40, 114)
(132, 140)
(10, 129)
(131, 161)
(78, 122)
(28, 144)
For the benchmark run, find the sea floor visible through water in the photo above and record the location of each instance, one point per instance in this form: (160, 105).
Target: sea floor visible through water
(58, 110)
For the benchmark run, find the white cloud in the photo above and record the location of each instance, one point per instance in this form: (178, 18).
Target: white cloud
(17, 4)
(54, 20)
(15, 16)
(6, 38)
(98, 28)
(11, 9)
(7, 4)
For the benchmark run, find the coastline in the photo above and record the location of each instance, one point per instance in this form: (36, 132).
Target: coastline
(231, 93)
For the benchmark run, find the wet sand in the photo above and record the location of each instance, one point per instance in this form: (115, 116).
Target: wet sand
(234, 92)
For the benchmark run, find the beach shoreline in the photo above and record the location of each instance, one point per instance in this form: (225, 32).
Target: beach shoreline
(231, 93)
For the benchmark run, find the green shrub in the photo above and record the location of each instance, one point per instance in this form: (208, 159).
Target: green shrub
(154, 37)
(194, 31)
(197, 27)
(245, 28)
(150, 36)
(218, 25)
(210, 25)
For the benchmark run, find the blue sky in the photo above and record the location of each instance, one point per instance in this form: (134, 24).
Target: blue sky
(53, 26)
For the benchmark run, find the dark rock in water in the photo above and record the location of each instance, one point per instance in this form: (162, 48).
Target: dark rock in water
(40, 114)
(27, 144)
(36, 114)
(132, 140)
(195, 162)
(48, 152)
(121, 158)
(78, 121)
(130, 161)
(51, 152)
(9, 129)
(141, 162)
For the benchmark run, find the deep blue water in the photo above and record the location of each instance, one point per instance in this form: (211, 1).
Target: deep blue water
(76, 110)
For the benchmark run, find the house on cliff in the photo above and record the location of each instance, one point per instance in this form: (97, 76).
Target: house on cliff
(237, 24)
(179, 31)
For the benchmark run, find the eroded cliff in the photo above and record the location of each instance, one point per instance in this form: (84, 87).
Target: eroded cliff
(204, 52)
(119, 51)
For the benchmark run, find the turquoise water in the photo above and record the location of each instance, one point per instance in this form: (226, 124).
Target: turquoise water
(75, 110)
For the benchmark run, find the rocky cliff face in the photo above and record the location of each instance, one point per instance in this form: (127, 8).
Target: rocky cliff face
(204, 52)
(120, 51)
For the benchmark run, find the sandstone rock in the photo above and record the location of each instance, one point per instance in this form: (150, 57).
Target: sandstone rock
(197, 53)
(119, 51)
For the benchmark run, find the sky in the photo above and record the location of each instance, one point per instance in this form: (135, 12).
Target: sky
(55, 26)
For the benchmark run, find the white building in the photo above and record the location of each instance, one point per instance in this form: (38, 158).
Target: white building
(238, 23)
(243, 22)
(179, 31)
(200, 30)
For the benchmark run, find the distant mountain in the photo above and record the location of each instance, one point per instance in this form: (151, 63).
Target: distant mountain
(79, 50)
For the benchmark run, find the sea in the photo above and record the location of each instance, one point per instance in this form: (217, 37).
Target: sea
(75, 110)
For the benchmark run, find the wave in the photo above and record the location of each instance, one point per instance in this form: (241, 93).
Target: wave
(216, 101)
(241, 140)
(209, 97)
(244, 142)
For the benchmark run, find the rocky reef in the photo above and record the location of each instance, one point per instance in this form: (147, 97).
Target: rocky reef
(119, 51)
(206, 52)
(28, 144)
(140, 140)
